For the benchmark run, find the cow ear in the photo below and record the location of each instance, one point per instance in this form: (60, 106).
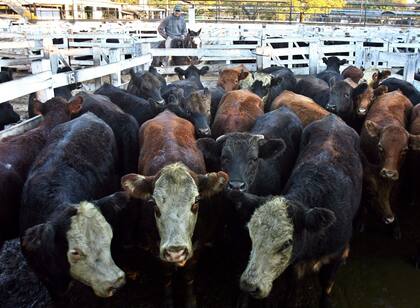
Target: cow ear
(372, 128)
(386, 74)
(75, 104)
(375, 76)
(414, 142)
(342, 62)
(198, 32)
(318, 219)
(35, 238)
(382, 89)
(204, 70)
(243, 75)
(271, 148)
(211, 151)
(180, 72)
(37, 106)
(212, 183)
(325, 60)
(138, 186)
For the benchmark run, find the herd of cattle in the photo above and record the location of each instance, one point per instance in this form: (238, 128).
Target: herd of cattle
(273, 164)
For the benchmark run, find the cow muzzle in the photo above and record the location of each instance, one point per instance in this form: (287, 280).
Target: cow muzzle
(331, 108)
(109, 288)
(176, 254)
(389, 174)
(237, 186)
(253, 289)
(204, 132)
(361, 111)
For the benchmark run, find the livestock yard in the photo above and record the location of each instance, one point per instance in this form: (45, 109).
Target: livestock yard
(149, 185)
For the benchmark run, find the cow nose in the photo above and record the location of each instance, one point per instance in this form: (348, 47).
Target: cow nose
(176, 253)
(204, 131)
(389, 220)
(248, 287)
(161, 102)
(117, 284)
(236, 185)
(331, 108)
(389, 174)
(362, 111)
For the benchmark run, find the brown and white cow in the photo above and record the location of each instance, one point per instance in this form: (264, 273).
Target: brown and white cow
(304, 107)
(172, 180)
(237, 112)
(229, 78)
(384, 142)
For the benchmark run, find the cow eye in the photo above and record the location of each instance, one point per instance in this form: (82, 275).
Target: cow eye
(380, 147)
(346, 95)
(194, 208)
(285, 245)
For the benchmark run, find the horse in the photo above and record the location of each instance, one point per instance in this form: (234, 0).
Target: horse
(191, 40)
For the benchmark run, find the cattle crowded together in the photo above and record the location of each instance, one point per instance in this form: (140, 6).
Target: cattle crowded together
(268, 167)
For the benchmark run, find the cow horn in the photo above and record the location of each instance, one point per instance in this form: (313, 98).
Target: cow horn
(221, 138)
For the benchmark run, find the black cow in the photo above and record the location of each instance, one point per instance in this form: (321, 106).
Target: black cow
(146, 85)
(332, 73)
(62, 235)
(123, 125)
(271, 82)
(309, 227)
(194, 108)
(314, 88)
(405, 87)
(7, 115)
(64, 92)
(261, 160)
(192, 81)
(139, 108)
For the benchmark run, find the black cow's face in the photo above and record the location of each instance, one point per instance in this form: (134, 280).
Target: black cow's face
(7, 114)
(334, 63)
(240, 154)
(341, 100)
(75, 243)
(146, 85)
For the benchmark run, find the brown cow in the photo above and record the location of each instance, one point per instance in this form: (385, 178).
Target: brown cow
(384, 142)
(378, 76)
(229, 77)
(17, 153)
(237, 112)
(173, 182)
(353, 72)
(305, 108)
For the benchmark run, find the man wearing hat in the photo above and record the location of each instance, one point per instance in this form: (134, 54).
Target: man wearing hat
(173, 27)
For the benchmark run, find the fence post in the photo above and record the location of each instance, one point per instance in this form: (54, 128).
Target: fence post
(96, 52)
(410, 67)
(115, 57)
(358, 54)
(313, 57)
(41, 66)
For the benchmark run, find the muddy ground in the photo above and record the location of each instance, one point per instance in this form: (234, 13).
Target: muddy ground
(379, 274)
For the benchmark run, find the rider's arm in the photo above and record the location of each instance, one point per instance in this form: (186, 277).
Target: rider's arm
(184, 28)
(161, 28)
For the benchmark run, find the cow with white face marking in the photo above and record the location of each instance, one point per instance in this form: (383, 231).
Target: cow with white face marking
(63, 236)
(172, 180)
(310, 226)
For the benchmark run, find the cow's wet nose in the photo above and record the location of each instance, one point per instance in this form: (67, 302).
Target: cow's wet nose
(362, 111)
(236, 185)
(389, 174)
(389, 220)
(331, 108)
(176, 253)
(204, 132)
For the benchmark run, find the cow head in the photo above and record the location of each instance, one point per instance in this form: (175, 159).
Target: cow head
(7, 114)
(363, 97)
(333, 63)
(57, 108)
(145, 85)
(239, 155)
(74, 243)
(192, 72)
(229, 78)
(341, 101)
(277, 230)
(175, 194)
(378, 76)
(392, 145)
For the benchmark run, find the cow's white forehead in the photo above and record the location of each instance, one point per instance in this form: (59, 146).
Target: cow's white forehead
(86, 226)
(263, 77)
(271, 222)
(175, 183)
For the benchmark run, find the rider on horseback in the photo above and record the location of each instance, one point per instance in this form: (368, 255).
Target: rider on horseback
(173, 27)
